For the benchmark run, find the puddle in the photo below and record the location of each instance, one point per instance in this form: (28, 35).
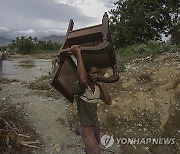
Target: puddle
(26, 63)
(25, 69)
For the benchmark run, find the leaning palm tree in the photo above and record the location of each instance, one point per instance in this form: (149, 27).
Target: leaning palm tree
(17, 40)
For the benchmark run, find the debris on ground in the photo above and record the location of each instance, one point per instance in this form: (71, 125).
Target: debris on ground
(16, 135)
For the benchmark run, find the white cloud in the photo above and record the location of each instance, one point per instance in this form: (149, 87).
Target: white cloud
(72, 2)
(108, 3)
(12, 33)
(91, 8)
(48, 24)
(5, 32)
(41, 17)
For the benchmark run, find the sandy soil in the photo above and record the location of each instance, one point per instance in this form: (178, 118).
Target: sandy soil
(47, 116)
(146, 104)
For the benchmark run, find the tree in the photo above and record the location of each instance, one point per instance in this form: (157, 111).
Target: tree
(41, 45)
(175, 34)
(134, 21)
(17, 39)
(56, 46)
(49, 45)
(25, 45)
(35, 39)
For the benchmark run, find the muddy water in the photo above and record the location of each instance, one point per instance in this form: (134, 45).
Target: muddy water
(25, 69)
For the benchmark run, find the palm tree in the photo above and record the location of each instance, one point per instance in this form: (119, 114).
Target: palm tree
(17, 40)
(35, 39)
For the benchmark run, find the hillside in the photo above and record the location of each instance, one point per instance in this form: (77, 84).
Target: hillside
(145, 104)
(4, 41)
(53, 38)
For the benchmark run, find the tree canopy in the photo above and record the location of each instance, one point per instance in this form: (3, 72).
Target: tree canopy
(137, 21)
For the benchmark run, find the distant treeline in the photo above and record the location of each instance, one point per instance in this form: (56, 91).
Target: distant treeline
(29, 44)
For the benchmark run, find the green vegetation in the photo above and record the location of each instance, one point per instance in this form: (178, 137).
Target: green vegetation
(137, 27)
(27, 45)
(140, 50)
(138, 21)
(44, 51)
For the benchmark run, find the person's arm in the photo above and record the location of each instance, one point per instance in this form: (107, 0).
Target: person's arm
(106, 97)
(81, 72)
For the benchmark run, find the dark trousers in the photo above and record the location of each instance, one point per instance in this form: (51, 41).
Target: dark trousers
(90, 137)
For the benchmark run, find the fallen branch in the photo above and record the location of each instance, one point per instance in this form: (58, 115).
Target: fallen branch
(28, 143)
(12, 128)
(9, 126)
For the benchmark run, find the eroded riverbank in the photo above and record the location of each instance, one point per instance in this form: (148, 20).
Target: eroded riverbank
(145, 105)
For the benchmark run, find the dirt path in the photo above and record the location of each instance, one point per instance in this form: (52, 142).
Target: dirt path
(46, 115)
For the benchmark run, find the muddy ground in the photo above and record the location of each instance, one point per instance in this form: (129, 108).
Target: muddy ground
(146, 104)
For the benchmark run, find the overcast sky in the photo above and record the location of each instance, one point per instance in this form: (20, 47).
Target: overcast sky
(48, 17)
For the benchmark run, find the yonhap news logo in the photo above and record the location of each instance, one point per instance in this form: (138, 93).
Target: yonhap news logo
(108, 140)
(132, 141)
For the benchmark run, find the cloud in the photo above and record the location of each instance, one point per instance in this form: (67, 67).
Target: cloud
(5, 32)
(108, 3)
(38, 17)
(73, 2)
(25, 13)
(42, 17)
(12, 33)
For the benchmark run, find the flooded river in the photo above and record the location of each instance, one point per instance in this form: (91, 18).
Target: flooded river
(25, 69)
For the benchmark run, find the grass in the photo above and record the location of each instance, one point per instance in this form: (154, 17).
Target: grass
(38, 52)
(152, 48)
(44, 51)
(44, 77)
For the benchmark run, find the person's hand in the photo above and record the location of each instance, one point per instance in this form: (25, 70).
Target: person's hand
(76, 49)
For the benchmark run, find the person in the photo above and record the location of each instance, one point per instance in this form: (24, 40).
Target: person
(88, 91)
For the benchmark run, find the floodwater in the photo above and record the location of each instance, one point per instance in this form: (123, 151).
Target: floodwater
(25, 69)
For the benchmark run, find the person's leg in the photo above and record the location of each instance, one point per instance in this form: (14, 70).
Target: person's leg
(89, 138)
(97, 132)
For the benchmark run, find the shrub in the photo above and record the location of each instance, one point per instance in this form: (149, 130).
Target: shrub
(151, 48)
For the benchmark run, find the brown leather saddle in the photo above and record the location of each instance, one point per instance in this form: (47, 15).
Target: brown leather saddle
(96, 47)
